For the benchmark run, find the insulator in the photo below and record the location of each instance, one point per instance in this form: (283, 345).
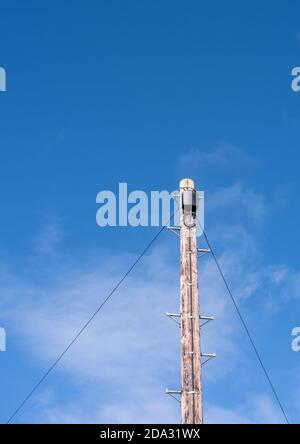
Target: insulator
(189, 202)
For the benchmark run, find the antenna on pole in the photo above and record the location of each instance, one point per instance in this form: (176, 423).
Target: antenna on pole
(189, 316)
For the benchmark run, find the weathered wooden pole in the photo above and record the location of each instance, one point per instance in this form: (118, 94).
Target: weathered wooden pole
(191, 386)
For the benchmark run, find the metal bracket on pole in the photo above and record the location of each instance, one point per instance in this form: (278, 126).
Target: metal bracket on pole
(173, 316)
(173, 394)
(174, 229)
(206, 319)
(209, 356)
(203, 251)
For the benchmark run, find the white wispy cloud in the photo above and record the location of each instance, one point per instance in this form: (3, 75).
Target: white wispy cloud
(130, 350)
(256, 409)
(224, 155)
(49, 237)
(239, 197)
(126, 358)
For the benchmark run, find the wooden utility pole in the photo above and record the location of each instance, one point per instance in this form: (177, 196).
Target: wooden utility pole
(191, 386)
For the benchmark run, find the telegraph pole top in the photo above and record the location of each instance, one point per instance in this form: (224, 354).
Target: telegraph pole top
(187, 183)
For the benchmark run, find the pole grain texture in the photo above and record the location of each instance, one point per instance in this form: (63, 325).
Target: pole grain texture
(191, 384)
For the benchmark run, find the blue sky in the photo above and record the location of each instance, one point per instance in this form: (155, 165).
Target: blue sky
(147, 93)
